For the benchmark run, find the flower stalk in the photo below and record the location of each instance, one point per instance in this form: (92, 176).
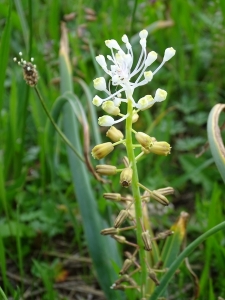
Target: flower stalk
(136, 195)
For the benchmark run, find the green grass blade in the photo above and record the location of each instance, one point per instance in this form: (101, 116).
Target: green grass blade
(102, 250)
(23, 21)
(4, 52)
(215, 139)
(169, 274)
(3, 295)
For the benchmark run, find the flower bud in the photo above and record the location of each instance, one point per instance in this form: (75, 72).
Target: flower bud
(152, 56)
(101, 61)
(145, 102)
(117, 101)
(106, 169)
(169, 53)
(160, 95)
(144, 139)
(100, 84)
(112, 196)
(105, 121)
(114, 134)
(135, 116)
(126, 177)
(160, 148)
(110, 108)
(143, 34)
(148, 76)
(101, 150)
(120, 218)
(97, 101)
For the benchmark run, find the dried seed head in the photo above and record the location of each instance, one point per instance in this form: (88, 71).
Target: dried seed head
(112, 196)
(101, 150)
(106, 169)
(147, 240)
(126, 265)
(126, 177)
(164, 235)
(30, 73)
(114, 134)
(121, 218)
(153, 277)
(165, 191)
(160, 198)
(110, 231)
(119, 238)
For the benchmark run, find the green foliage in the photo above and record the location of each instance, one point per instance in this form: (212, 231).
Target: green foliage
(38, 208)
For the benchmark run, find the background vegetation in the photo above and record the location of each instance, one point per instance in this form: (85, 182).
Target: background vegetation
(43, 248)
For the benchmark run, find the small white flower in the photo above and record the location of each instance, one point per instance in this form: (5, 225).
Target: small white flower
(101, 61)
(110, 108)
(100, 84)
(105, 121)
(152, 56)
(160, 95)
(97, 101)
(145, 102)
(148, 76)
(117, 101)
(169, 53)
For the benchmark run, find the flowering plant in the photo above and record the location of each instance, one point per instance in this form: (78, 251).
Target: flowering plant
(134, 206)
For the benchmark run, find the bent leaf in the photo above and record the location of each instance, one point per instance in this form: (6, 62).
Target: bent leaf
(215, 139)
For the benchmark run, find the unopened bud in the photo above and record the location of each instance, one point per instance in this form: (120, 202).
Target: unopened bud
(147, 240)
(110, 108)
(120, 218)
(112, 196)
(110, 231)
(160, 198)
(100, 84)
(114, 134)
(106, 169)
(119, 238)
(126, 177)
(144, 139)
(101, 150)
(135, 116)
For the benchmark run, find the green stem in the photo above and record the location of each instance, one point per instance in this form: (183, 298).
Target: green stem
(65, 139)
(136, 195)
(167, 277)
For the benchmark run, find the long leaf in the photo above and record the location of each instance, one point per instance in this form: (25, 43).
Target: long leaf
(215, 139)
(102, 250)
